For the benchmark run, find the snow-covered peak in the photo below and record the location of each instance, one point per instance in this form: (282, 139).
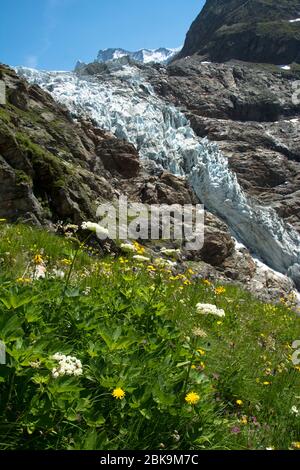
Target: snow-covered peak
(146, 56)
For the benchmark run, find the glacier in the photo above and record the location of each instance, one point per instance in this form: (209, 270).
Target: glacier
(122, 101)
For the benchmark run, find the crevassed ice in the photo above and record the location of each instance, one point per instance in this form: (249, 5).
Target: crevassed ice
(126, 104)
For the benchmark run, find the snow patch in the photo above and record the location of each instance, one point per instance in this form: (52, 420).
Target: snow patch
(162, 55)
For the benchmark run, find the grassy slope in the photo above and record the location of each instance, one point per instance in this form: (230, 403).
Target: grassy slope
(133, 327)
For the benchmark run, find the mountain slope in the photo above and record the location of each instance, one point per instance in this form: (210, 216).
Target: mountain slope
(248, 30)
(161, 55)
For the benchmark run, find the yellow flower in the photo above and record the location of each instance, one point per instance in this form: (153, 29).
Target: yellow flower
(187, 283)
(207, 282)
(244, 420)
(151, 268)
(201, 352)
(118, 393)
(239, 402)
(38, 259)
(139, 248)
(296, 445)
(66, 262)
(192, 398)
(220, 290)
(193, 366)
(266, 383)
(24, 280)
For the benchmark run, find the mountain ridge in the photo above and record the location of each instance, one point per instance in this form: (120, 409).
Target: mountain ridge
(263, 31)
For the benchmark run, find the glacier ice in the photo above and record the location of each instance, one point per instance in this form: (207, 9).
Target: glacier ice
(123, 102)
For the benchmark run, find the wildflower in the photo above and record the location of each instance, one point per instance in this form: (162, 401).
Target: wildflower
(201, 352)
(199, 332)
(244, 420)
(118, 393)
(192, 398)
(220, 290)
(235, 430)
(35, 364)
(66, 262)
(296, 445)
(140, 258)
(67, 365)
(58, 273)
(40, 272)
(239, 402)
(23, 280)
(38, 259)
(96, 228)
(128, 248)
(266, 383)
(207, 282)
(295, 411)
(207, 309)
(169, 252)
(176, 436)
(151, 268)
(139, 248)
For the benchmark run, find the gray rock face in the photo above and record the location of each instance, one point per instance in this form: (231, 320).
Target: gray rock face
(249, 111)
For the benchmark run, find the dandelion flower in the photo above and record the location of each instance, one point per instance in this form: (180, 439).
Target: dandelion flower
(38, 259)
(118, 393)
(220, 290)
(266, 383)
(239, 402)
(192, 398)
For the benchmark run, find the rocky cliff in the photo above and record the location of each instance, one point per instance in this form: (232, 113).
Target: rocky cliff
(248, 30)
(248, 109)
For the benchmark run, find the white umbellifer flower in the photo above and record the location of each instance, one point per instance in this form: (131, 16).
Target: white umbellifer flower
(141, 258)
(58, 273)
(169, 251)
(295, 411)
(207, 309)
(127, 247)
(96, 228)
(67, 365)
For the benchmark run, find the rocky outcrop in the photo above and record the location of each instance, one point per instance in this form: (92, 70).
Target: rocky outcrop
(249, 110)
(248, 30)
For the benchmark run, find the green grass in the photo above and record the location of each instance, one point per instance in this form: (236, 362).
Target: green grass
(132, 326)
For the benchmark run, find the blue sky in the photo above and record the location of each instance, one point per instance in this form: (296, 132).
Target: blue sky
(53, 34)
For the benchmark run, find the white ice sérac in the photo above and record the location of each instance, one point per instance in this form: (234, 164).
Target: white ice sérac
(126, 104)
